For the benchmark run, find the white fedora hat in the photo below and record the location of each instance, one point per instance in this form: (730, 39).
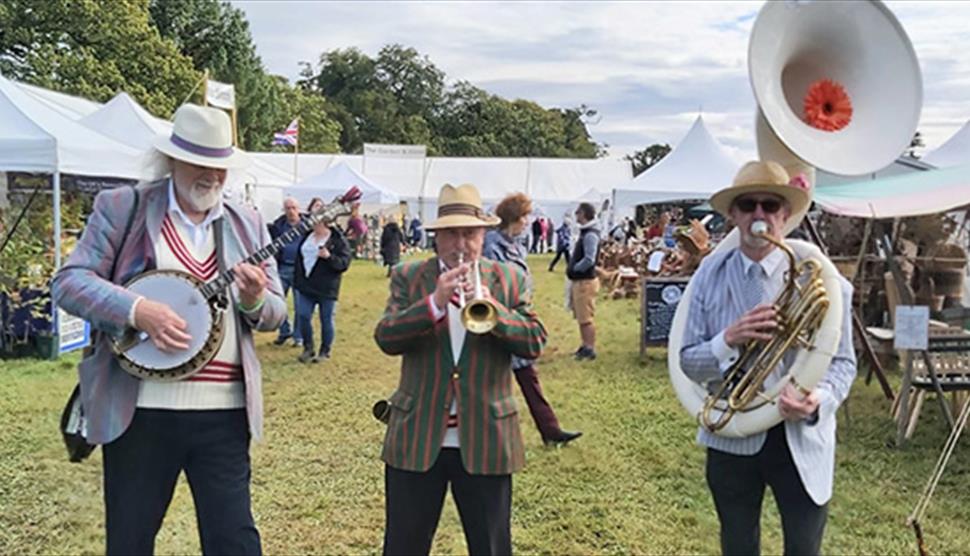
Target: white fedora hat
(202, 136)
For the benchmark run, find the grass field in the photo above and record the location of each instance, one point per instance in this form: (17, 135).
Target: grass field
(633, 484)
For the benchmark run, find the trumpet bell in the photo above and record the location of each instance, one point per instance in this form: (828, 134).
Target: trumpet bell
(479, 316)
(851, 58)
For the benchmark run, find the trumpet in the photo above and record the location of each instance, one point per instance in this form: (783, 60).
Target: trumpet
(478, 314)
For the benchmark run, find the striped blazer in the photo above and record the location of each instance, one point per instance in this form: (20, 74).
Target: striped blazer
(83, 287)
(716, 303)
(481, 383)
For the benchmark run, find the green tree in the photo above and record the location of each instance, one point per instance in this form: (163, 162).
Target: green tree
(94, 49)
(643, 160)
(216, 37)
(390, 99)
(319, 132)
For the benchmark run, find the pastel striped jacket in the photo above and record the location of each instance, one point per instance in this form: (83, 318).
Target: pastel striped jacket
(84, 288)
(481, 383)
(716, 303)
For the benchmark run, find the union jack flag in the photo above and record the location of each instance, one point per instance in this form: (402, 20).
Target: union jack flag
(289, 136)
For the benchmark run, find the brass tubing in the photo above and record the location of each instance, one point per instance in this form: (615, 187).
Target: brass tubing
(800, 311)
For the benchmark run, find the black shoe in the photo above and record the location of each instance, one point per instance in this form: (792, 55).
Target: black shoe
(320, 356)
(306, 356)
(562, 438)
(281, 340)
(585, 353)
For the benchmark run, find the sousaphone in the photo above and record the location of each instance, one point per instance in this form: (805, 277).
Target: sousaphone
(838, 87)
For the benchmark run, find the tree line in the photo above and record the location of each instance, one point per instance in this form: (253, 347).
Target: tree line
(157, 51)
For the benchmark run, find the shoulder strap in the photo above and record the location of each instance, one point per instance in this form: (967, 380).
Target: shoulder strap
(131, 219)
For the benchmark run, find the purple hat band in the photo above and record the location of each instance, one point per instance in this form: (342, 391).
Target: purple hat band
(201, 150)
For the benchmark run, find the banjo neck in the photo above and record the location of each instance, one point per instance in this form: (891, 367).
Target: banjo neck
(328, 213)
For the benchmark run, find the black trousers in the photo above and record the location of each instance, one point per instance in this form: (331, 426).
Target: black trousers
(559, 253)
(414, 502)
(142, 466)
(737, 484)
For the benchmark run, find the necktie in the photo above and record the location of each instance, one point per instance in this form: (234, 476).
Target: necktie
(753, 289)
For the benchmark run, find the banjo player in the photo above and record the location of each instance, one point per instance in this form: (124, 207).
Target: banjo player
(151, 431)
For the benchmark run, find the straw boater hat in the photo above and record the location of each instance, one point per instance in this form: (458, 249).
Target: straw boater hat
(202, 136)
(461, 207)
(764, 177)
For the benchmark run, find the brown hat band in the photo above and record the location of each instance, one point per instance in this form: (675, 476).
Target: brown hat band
(461, 208)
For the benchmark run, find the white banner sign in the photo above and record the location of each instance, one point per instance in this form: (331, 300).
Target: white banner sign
(73, 332)
(912, 327)
(220, 95)
(395, 151)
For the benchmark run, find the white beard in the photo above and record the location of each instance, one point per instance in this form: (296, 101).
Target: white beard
(199, 198)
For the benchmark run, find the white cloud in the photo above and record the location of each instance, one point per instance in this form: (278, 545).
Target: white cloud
(647, 67)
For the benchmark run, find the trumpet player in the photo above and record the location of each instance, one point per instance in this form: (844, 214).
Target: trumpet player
(453, 418)
(731, 306)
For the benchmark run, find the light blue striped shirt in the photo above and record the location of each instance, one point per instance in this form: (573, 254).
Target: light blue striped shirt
(716, 303)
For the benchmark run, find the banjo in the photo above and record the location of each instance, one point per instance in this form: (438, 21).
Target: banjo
(203, 306)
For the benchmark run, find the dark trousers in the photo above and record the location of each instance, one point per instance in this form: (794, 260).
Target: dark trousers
(414, 502)
(286, 280)
(142, 466)
(559, 253)
(737, 484)
(539, 407)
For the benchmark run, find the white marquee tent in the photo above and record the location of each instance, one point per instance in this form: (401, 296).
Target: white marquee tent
(556, 185)
(954, 152)
(336, 181)
(37, 138)
(696, 168)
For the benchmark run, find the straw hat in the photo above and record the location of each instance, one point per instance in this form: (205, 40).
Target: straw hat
(461, 207)
(202, 136)
(764, 177)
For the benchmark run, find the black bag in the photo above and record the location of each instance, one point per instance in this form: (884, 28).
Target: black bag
(74, 427)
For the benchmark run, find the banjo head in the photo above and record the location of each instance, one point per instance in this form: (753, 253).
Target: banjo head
(180, 291)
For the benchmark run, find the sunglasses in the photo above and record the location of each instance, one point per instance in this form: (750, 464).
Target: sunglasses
(749, 205)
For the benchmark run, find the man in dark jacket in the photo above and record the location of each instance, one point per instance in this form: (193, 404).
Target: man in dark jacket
(286, 261)
(584, 285)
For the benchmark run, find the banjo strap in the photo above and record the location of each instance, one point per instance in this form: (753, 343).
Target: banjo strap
(124, 236)
(220, 241)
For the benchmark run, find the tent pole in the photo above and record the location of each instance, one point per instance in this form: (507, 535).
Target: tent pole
(296, 153)
(422, 191)
(57, 219)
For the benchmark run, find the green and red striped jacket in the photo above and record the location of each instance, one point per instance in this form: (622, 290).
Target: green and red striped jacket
(481, 383)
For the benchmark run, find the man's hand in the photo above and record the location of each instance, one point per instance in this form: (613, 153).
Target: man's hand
(251, 281)
(794, 406)
(448, 284)
(323, 252)
(166, 329)
(757, 324)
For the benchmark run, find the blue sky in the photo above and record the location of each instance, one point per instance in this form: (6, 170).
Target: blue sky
(648, 67)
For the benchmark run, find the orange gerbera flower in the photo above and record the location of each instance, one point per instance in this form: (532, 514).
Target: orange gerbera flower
(827, 106)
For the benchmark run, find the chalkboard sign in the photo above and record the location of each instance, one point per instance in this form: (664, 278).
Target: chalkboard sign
(658, 302)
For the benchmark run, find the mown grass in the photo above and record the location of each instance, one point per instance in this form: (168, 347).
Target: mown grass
(633, 484)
